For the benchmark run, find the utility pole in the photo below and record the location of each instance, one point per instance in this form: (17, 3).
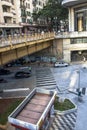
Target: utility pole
(79, 92)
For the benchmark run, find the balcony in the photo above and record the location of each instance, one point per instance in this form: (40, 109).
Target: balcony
(7, 14)
(7, 3)
(71, 34)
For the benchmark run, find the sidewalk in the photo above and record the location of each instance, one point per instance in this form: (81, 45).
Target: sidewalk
(64, 122)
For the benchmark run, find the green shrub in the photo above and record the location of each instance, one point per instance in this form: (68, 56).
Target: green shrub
(62, 106)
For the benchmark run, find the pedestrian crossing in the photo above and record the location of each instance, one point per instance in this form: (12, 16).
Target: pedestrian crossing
(45, 79)
(64, 122)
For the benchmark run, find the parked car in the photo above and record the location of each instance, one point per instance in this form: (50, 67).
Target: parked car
(26, 69)
(4, 71)
(12, 64)
(61, 64)
(3, 80)
(22, 74)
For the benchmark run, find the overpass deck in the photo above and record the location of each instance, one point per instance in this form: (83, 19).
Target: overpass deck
(16, 39)
(14, 47)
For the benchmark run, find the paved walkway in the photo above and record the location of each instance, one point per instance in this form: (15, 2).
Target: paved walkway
(45, 79)
(64, 122)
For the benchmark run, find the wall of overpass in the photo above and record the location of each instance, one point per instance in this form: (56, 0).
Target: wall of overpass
(15, 51)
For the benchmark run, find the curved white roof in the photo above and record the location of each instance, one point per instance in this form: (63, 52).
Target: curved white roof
(73, 2)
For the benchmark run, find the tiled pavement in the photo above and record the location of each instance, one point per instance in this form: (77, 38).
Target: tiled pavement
(45, 79)
(64, 122)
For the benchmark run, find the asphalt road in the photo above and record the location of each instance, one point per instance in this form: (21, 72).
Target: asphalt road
(17, 87)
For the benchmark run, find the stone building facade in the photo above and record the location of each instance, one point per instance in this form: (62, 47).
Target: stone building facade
(75, 41)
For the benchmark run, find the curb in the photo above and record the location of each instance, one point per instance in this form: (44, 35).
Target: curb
(13, 90)
(67, 111)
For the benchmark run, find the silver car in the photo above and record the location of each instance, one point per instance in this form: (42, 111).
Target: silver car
(61, 64)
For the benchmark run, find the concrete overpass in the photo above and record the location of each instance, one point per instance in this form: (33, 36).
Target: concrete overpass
(12, 48)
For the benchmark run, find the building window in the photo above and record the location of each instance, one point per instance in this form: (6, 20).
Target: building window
(28, 21)
(23, 20)
(23, 13)
(78, 40)
(6, 9)
(12, 1)
(28, 13)
(14, 20)
(28, 6)
(81, 18)
(18, 129)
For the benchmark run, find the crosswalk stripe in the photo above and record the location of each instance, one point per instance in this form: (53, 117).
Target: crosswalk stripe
(45, 79)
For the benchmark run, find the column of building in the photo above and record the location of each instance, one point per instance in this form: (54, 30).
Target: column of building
(71, 19)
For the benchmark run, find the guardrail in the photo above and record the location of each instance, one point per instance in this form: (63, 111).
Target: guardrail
(23, 38)
(72, 34)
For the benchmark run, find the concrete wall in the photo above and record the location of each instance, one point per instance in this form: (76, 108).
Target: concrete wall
(61, 49)
(58, 48)
(15, 53)
(66, 50)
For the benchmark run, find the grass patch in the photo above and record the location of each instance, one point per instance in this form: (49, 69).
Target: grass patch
(62, 106)
(9, 110)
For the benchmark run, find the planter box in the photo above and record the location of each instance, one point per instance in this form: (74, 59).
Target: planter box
(67, 110)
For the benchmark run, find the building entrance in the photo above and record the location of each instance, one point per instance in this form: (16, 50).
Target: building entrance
(78, 55)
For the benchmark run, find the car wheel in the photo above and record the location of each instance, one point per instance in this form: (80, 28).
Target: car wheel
(66, 65)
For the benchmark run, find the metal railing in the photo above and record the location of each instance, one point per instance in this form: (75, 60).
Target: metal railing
(23, 38)
(74, 34)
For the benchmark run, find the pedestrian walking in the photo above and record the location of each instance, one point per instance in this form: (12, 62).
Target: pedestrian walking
(42, 33)
(84, 59)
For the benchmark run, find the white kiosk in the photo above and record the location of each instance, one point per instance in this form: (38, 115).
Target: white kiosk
(34, 112)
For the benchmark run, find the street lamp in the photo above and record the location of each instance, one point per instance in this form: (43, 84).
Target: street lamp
(55, 24)
(78, 72)
(78, 90)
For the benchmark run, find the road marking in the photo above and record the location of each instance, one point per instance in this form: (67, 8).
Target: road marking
(15, 90)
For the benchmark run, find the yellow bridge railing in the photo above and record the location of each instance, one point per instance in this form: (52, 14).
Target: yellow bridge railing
(23, 38)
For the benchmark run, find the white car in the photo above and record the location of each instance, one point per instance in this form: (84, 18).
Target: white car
(61, 64)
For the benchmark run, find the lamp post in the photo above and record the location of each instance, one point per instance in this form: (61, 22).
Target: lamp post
(55, 24)
(78, 72)
(79, 92)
